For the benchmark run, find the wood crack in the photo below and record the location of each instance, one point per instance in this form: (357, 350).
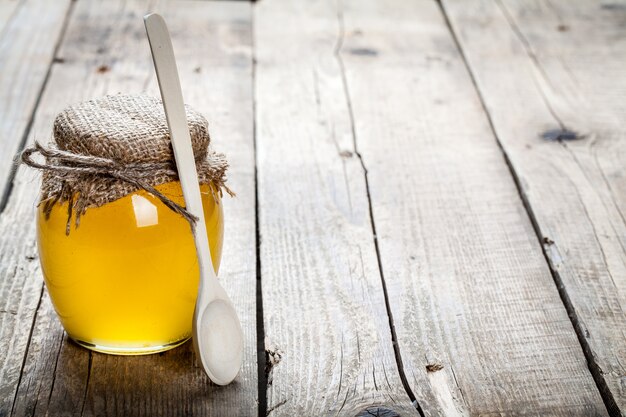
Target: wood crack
(531, 55)
(54, 372)
(89, 366)
(344, 80)
(456, 382)
(610, 191)
(262, 376)
(283, 402)
(340, 366)
(595, 235)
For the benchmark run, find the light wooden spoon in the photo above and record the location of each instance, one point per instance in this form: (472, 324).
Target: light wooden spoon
(217, 334)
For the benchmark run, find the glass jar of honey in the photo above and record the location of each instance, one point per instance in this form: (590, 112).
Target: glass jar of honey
(116, 250)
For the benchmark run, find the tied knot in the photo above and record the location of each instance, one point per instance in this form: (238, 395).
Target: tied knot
(109, 147)
(67, 164)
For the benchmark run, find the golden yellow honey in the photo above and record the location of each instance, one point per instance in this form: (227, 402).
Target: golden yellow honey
(125, 281)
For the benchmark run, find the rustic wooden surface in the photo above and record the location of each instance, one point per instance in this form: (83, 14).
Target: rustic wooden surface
(430, 209)
(468, 286)
(553, 69)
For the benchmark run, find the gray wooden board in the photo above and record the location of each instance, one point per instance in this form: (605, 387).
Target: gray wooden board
(29, 32)
(469, 288)
(545, 67)
(480, 325)
(106, 51)
(327, 331)
(8, 9)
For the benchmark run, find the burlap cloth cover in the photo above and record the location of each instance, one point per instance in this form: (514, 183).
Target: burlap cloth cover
(109, 147)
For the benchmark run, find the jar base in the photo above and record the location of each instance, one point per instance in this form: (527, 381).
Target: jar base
(130, 351)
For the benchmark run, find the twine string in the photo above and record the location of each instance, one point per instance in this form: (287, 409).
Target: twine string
(68, 164)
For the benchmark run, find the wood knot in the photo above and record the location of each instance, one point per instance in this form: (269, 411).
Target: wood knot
(560, 135)
(434, 367)
(345, 154)
(613, 6)
(363, 51)
(562, 28)
(378, 411)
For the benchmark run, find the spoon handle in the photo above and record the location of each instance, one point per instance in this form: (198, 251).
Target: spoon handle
(217, 333)
(172, 95)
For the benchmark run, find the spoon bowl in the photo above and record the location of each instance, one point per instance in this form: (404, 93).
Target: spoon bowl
(220, 342)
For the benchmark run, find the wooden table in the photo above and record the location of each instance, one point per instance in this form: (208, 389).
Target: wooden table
(431, 208)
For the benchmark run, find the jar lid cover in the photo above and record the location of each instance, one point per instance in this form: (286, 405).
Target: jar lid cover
(124, 128)
(109, 147)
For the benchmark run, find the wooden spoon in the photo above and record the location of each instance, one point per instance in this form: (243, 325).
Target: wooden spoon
(217, 334)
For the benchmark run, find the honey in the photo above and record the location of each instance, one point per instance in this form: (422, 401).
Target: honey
(125, 281)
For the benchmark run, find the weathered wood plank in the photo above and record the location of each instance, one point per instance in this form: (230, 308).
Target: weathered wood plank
(25, 56)
(326, 326)
(29, 32)
(8, 8)
(479, 321)
(105, 51)
(546, 67)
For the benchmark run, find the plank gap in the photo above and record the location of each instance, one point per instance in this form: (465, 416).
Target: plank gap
(529, 51)
(4, 198)
(260, 327)
(594, 368)
(392, 328)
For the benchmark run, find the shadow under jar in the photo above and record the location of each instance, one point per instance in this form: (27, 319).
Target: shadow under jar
(121, 269)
